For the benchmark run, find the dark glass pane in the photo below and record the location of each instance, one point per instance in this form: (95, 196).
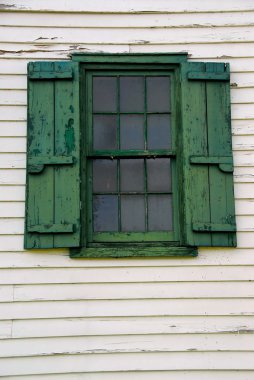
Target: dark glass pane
(104, 176)
(158, 132)
(132, 174)
(158, 94)
(132, 132)
(132, 213)
(132, 94)
(104, 94)
(159, 213)
(159, 175)
(104, 132)
(105, 213)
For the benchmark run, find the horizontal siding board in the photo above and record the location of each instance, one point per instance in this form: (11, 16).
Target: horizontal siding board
(244, 175)
(11, 226)
(5, 329)
(113, 6)
(12, 209)
(131, 308)
(13, 144)
(131, 291)
(196, 20)
(127, 362)
(12, 193)
(145, 375)
(12, 128)
(127, 35)
(12, 160)
(6, 293)
(12, 177)
(32, 328)
(115, 275)
(125, 344)
(13, 97)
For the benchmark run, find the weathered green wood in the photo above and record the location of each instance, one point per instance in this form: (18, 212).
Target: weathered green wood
(194, 142)
(208, 76)
(67, 142)
(53, 194)
(37, 164)
(214, 227)
(52, 228)
(40, 189)
(134, 252)
(217, 224)
(158, 58)
(225, 164)
(219, 135)
(49, 70)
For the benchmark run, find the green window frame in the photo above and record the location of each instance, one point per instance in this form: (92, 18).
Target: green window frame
(60, 156)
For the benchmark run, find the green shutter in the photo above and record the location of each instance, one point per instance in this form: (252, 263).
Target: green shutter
(208, 197)
(53, 156)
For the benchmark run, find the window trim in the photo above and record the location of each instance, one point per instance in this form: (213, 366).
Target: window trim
(169, 63)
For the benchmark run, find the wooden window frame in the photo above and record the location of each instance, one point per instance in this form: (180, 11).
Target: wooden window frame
(131, 244)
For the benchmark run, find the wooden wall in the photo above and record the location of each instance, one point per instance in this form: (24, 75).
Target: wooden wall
(137, 319)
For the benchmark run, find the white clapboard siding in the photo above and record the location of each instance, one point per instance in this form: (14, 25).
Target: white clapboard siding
(162, 290)
(84, 20)
(11, 226)
(128, 362)
(12, 193)
(13, 128)
(145, 375)
(130, 6)
(33, 328)
(126, 344)
(126, 319)
(121, 308)
(116, 275)
(127, 35)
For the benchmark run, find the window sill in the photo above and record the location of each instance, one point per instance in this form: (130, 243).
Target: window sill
(120, 252)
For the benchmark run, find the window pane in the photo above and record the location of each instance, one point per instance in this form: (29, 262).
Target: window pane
(132, 213)
(158, 94)
(105, 213)
(132, 131)
(159, 212)
(158, 132)
(159, 175)
(104, 176)
(132, 94)
(104, 94)
(104, 132)
(132, 174)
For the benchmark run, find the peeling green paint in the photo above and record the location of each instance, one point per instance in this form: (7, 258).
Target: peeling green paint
(69, 136)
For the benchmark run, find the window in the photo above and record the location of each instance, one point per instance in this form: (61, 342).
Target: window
(129, 155)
